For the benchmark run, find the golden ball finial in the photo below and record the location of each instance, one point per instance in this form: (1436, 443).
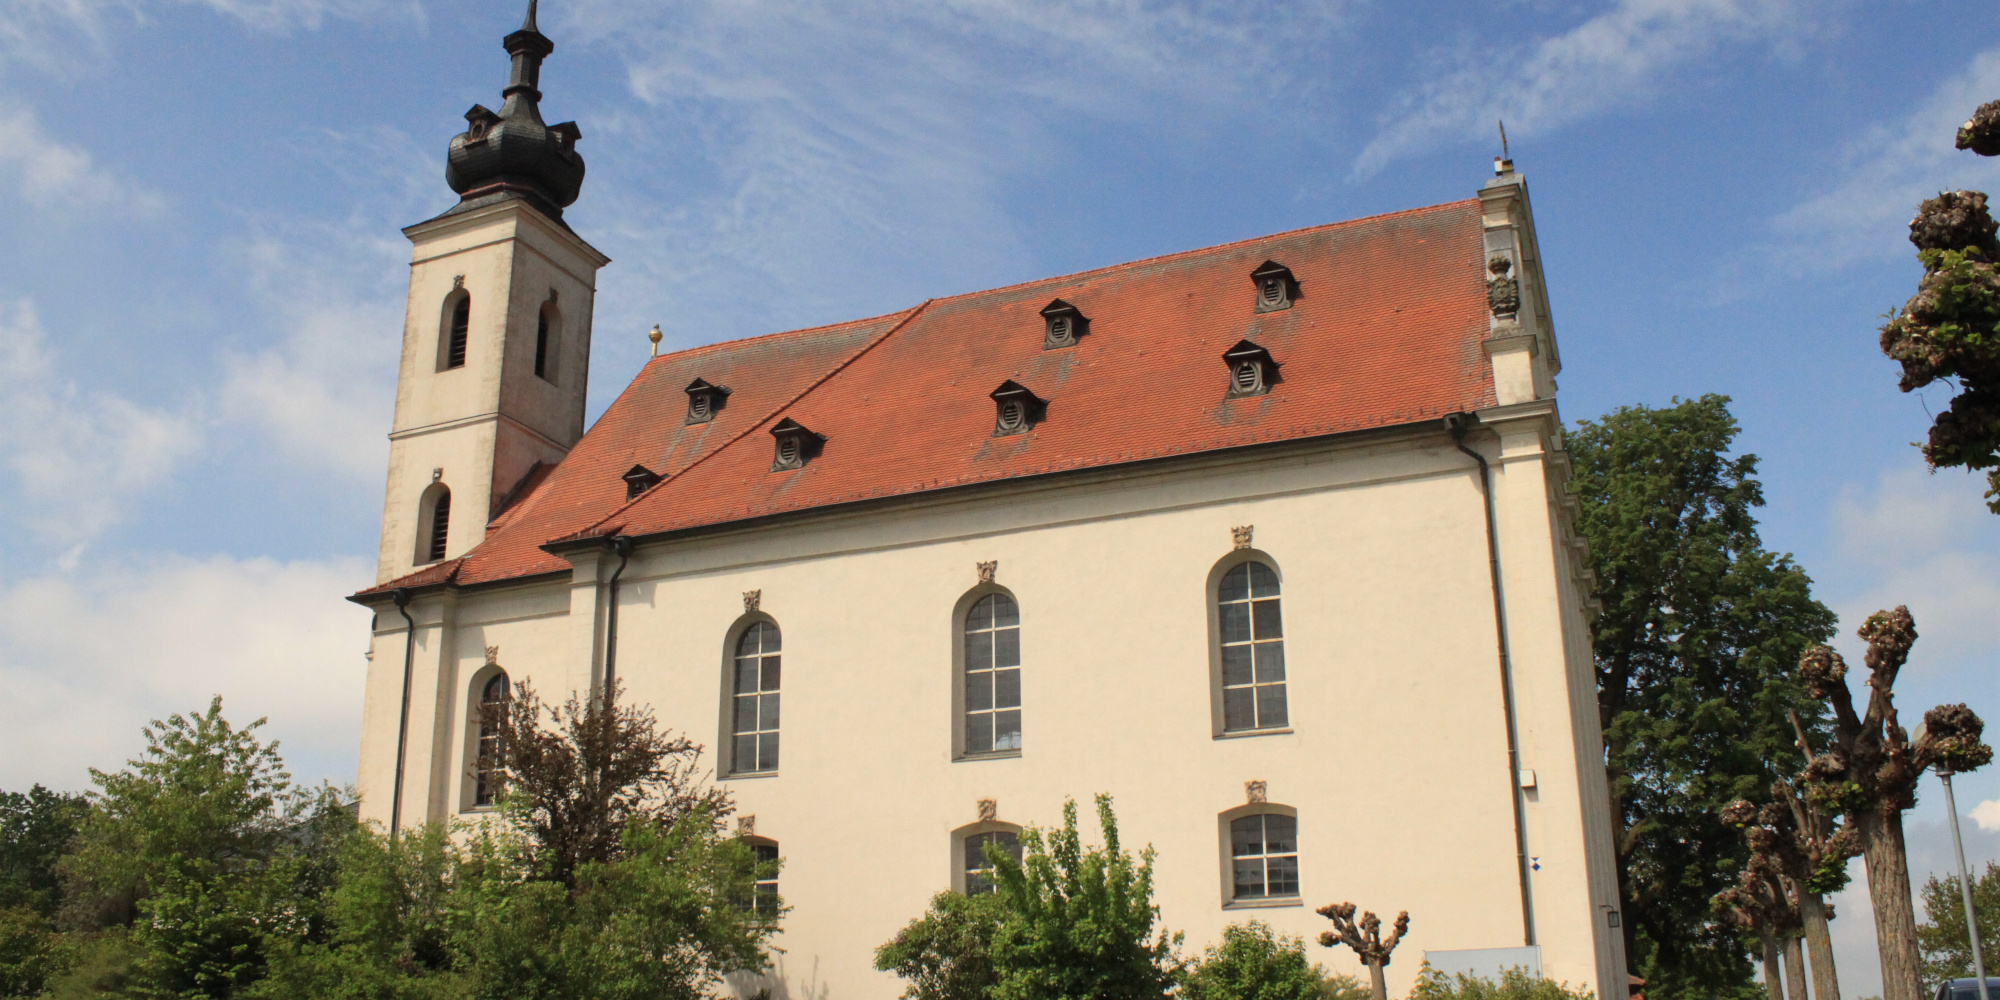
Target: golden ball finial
(655, 338)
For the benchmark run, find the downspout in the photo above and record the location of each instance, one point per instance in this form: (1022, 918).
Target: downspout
(402, 596)
(1458, 424)
(623, 546)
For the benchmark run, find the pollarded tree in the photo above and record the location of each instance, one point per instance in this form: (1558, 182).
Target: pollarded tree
(1951, 328)
(1700, 629)
(1869, 774)
(1365, 938)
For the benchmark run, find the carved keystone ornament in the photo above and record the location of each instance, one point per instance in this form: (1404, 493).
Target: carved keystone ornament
(987, 570)
(751, 600)
(492, 656)
(746, 826)
(1254, 792)
(989, 810)
(1241, 535)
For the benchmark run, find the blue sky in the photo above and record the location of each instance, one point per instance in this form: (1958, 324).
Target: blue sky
(201, 277)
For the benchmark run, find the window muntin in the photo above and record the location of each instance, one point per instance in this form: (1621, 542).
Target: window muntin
(1253, 649)
(993, 676)
(440, 526)
(979, 871)
(754, 712)
(461, 324)
(493, 700)
(1264, 857)
(764, 894)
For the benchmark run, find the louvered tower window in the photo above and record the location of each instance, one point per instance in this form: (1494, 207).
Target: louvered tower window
(440, 524)
(461, 322)
(542, 345)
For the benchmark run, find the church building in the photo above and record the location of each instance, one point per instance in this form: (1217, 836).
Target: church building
(1271, 541)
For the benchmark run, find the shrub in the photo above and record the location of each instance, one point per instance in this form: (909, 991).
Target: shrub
(1516, 983)
(1255, 963)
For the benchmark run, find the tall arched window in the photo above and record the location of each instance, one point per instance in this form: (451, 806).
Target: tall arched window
(1264, 857)
(493, 698)
(457, 327)
(1252, 635)
(979, 878)
(755, 712)
(763, 898)
(433, 523)
(993, 676)
(548, 332)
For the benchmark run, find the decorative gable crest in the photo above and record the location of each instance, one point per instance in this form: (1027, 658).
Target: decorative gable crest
(1503, 293)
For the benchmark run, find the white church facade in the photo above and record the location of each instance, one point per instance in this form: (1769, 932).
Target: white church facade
(1271, 541)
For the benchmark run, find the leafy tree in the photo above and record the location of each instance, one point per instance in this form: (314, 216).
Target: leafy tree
(947, 954)
(1951, 328)
(1254, 963)
(1869, 773)
(1514, 984)
(1694, 647)
(1947, 950)
(35, 828)
(1081, 922)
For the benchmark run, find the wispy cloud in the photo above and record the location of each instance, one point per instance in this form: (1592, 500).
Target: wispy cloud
(1865, 214)
(1623, 55)
(79, 458)
(54, 35)
(53, 175)
(86, 659)
(1927, 541)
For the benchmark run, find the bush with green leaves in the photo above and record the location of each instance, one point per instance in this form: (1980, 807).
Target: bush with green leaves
(1253, 962)
(1947, 949)
(1515, 983)
(947, 954)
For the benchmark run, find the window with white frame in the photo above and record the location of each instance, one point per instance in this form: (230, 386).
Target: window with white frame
(493, 698)
(763, 899)
(979, 877)
(755, 710)
(993, 676)
(1252, 635)
(1264, 857)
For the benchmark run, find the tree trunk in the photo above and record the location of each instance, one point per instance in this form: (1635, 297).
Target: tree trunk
(1889, 892)
(1819, 946)
(1795, 968)
(1376, 981)
(1774, 983)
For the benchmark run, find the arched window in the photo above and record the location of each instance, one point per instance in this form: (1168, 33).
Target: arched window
(763, 899)
(1264, 857)
(1252, 637)
(493, 698)
(457, 325)
(433, 523)
(979, 877)
(993, 676)
(755, 712)
(548, 333)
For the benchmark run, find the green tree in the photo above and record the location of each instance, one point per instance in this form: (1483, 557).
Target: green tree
(1514, 984)
(947, 954)
(35, 830)
(1946, 948)
(1699, 630)
(1252, 962)
(1081, 921)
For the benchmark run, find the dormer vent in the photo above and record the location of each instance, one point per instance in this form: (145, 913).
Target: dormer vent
(1065, 324)
(479, 121)
(704, 399)
(795, 445)
(1251, 370)
(638, 480)
(1016, 409)
(1276, 288)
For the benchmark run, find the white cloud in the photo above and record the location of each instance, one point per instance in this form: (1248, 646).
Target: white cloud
(1987, 815)
(1611, 60)
(87, 660)
(79, 457)
(55, 35)
(1929, 542)
(52, 175)
(1891, 168)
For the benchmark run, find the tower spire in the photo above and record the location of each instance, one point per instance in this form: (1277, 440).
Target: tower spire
(529, 47)
(513, 153)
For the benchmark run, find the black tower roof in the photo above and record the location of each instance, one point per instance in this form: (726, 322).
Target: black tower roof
(512, 154)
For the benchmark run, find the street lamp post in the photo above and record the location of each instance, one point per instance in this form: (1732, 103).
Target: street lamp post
(1964, 884)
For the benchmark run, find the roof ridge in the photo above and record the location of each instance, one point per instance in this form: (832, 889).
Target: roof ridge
(719, 344)
(910, 314)
(1124, 265)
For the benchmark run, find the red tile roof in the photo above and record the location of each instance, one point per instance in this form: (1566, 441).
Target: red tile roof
(1387, 330)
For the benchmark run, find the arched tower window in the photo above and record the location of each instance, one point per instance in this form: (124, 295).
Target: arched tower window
(433, 523)
(754, 712)
(548, 335)
(1251, 635)
(493, 698)
(457, 327)
(993, 676)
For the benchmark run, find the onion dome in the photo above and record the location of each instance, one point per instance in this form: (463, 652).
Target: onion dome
(512, 154)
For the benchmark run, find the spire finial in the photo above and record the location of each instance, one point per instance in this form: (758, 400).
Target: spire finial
(529, 24)
(654, 336)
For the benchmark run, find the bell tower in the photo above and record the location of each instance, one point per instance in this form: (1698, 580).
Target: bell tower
(496, 338)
